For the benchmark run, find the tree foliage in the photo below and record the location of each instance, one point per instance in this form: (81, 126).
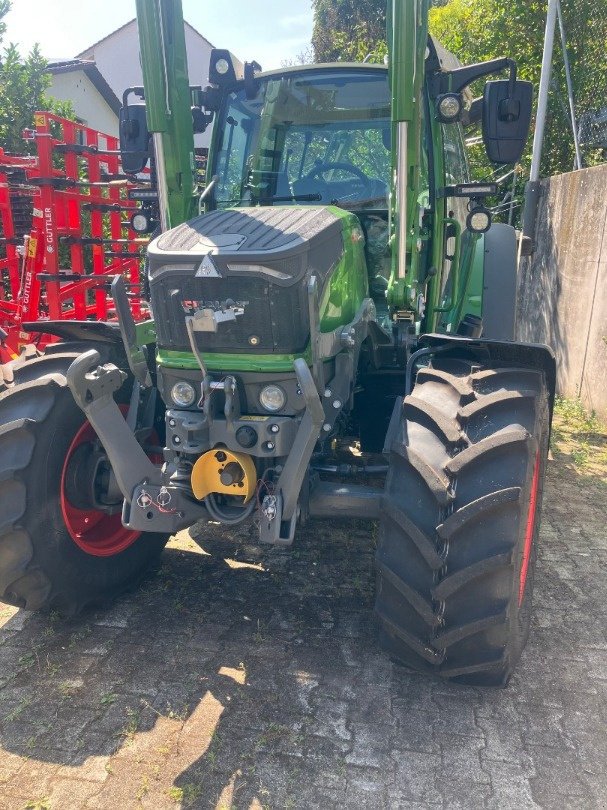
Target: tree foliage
(349, 30)
(477, 30)
(23, 86)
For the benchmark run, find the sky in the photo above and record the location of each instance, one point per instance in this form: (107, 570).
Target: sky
(269, 31)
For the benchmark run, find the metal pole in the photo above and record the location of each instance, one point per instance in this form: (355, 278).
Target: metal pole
(532, 189)
(161, 182)
(542, 101)
(401, 197)
(512, 193)
(576, 140)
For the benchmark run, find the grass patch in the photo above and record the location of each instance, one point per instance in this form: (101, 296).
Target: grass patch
(187, 795)
(37, 804)
(580, 437)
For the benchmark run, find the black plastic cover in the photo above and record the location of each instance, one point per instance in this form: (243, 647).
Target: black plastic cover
(506, 119)
(134, 138)
(259, 259)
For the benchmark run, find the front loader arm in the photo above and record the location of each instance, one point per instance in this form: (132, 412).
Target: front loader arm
(407, 37)
(169, 106)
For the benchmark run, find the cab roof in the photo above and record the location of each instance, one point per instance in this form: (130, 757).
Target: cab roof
(322, 66)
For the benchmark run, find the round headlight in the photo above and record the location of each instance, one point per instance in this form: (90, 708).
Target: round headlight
(183, 394)
(222, 66)
(140, 223)
(479, 220)
(449, 107)
(272, 398)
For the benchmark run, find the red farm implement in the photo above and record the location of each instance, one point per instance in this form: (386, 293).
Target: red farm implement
(65, 216)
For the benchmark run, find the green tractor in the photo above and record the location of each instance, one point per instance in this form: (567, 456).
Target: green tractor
(333, 336)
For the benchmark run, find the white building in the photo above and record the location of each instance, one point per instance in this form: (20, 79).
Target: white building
(96, 79)
(93, 100)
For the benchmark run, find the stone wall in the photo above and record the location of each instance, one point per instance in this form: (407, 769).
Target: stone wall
(562, 298)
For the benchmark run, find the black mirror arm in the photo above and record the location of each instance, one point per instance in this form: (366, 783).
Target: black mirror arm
(209, 98)
(474, 114)
(456, 80)
(250, 83)
(138, 91)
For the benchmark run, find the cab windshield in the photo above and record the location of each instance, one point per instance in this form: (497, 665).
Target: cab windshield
(314, 137)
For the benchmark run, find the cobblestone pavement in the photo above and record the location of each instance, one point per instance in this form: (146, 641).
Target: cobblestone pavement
(240, 678)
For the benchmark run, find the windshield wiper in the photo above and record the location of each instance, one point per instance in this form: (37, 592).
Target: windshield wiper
(257, 200)
(292, 198)
(359, 203)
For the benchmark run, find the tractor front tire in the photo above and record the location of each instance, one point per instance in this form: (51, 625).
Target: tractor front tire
(460, 521)
(57, 552)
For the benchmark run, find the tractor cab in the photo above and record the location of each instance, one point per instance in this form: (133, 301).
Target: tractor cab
(316, 136)
(310, 136)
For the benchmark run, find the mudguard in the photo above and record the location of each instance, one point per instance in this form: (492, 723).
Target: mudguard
(93, 331)
(525, 355)
(499, 282)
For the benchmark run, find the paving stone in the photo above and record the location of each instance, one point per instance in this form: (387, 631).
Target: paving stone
(462, 755)
(462, 793)
(370, 748)
(510, 788)
(415, 776)
(71, 793)
(559, 776)
(38, 776)
(416, 732)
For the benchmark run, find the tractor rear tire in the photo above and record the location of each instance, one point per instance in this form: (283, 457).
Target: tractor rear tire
(57, 553)
(460, 521)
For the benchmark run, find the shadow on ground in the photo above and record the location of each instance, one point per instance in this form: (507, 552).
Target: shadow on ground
(237, 677)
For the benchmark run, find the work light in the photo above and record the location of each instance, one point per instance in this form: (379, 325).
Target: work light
(479, 220)
(272, 398)
(183, 394)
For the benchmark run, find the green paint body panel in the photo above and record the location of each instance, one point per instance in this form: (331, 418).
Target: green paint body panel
(146, 333)
(349, 284)
(472, 299)
(231, 362)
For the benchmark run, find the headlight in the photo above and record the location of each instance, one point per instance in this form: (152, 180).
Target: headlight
(479, 220)
(272, 398)
(222, 66)
(140, 223)
(449, 107)
(183, 394)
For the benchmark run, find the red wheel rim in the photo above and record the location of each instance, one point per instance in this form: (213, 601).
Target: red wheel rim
(95, 532)
(530, 529)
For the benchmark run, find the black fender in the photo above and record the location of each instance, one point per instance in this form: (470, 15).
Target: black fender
(500, 280)
(77, 331)
(82, 336)
(524, 355)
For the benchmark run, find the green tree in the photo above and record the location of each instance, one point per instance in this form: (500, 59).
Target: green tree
(23, 85)
(349, 30)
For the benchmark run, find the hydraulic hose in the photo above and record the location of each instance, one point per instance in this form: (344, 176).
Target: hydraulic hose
(220, 516)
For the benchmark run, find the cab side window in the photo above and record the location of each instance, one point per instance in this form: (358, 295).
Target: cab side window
(456, 168)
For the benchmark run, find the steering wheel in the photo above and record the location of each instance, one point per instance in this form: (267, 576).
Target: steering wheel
(321, 168)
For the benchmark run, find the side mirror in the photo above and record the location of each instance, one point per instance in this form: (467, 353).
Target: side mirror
(134, 138)
(506, 119)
